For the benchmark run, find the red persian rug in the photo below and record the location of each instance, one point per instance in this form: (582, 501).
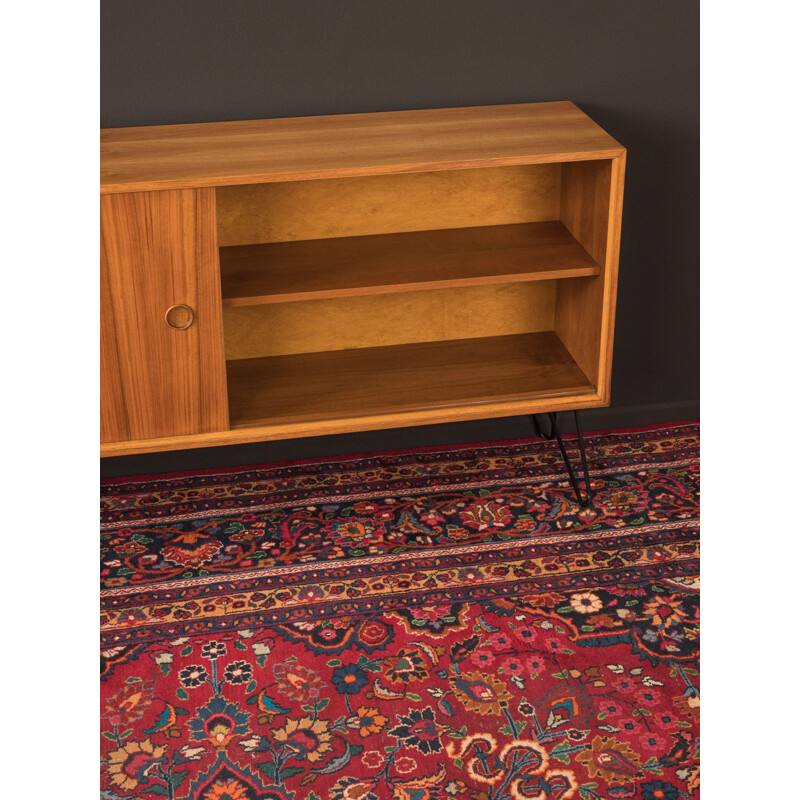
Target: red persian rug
(445, 623)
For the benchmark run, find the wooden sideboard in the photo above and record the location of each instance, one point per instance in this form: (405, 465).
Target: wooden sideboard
(270, 279)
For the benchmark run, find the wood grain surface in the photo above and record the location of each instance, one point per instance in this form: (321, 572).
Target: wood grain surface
(347, 323)
(158, 249)
(287, 211)
(356, 383)
(591, 208)
(378, 271)
(398, 262)
(373, 422)
(299, 148)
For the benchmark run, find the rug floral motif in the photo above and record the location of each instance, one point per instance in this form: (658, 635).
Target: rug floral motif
(443, 624)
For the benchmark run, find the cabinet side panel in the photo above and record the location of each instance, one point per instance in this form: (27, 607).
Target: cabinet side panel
(591, 209)
(158, 249)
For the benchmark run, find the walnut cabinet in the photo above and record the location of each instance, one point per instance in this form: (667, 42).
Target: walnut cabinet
(270, 279)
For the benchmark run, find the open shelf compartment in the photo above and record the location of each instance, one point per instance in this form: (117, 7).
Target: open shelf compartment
(409, 377)
(348, 299)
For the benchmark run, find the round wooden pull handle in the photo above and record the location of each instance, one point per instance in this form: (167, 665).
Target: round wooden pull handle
(179, 317)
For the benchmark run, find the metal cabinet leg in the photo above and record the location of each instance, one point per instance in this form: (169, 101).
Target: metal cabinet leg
(555, 433)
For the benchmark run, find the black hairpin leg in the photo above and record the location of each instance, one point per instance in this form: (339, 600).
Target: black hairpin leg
(540, 432)
(555, 433)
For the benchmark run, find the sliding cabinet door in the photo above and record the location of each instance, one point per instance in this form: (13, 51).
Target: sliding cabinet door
(162, 354)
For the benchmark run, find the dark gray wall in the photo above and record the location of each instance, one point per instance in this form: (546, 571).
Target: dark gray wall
(632, 66)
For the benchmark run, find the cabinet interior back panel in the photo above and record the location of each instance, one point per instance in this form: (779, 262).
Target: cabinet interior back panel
(335, 207)
(347, 323)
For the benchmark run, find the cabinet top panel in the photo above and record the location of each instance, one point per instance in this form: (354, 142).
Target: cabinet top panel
(346, 145)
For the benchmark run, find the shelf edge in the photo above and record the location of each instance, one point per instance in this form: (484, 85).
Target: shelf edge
(419, 286)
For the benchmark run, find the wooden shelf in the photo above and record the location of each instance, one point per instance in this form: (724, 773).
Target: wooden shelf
(398, 378)
(399, 262)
